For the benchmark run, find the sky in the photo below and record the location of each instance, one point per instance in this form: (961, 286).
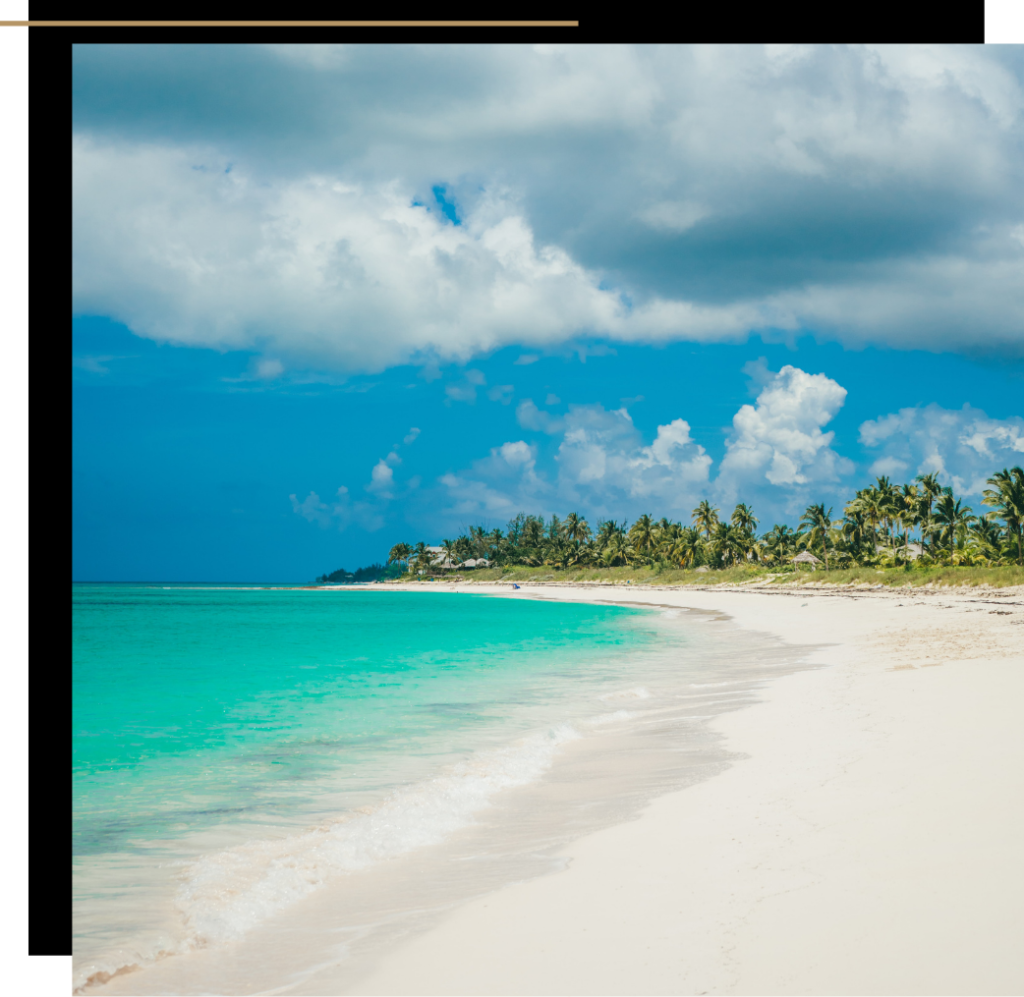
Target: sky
(330, 298)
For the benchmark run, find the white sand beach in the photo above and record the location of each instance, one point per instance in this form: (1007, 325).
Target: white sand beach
(867, 839)
(870, 843)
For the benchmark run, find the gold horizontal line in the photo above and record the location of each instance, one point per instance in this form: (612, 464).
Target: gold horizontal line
(289, 24)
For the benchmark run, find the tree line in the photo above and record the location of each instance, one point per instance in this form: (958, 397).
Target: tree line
(884, 524)
(371, 573)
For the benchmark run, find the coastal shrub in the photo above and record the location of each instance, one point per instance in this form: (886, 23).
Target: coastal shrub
(907, 528)
(667, 575)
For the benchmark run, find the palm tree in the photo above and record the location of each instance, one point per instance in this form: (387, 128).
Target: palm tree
(779, 543)
(728, 542)
(576, 527)
(479, 542)
(885, 503)
(883, 513)
(572, 552)
(642, 534)
(463, 549)
(607, 529)
(930, 491)
(867, 505)
(910, 506)
(705, 518)
(400, 552)
(818, 522)
(514, 529)
(421, 556)
(618, 550)
(1007, 497)
(533, 532)
(451, 551)
(494, 543)
(952, 516)
(681, 547)
(988, 537)
(743, 518)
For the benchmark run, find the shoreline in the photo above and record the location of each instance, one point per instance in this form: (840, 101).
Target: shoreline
(868, 843)
(633, 727)
(782, 873)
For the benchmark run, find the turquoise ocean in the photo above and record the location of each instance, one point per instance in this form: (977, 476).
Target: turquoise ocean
(236, 747)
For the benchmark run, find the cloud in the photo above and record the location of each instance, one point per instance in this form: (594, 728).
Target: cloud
(552, 399)
(518, 454)
(528, 358)
(779, 439)
(382, 480)
(460, 393)
(867, 194)
(778, 457)
(501, 393)
(530, 417)
(603, 460)
(603, 466)
(345, 511)
(311, 508)
(498, 486)
(268, 369)
(963, 447)
(382, 477)
(325, 272)
(95, 364)
(674, 216)
(411, 437)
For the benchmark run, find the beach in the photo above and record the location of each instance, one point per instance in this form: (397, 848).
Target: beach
(870, 843)
(864, 836)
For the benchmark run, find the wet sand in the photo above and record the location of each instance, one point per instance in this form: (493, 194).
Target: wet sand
(864, 836)
(870, 842)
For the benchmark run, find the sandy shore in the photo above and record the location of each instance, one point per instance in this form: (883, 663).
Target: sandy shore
(866, 840)
(871, 842)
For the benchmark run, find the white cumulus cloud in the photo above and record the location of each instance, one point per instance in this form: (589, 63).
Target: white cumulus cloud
(530, 416)
(498, 486)
(963, 447)
(780, 441)
(779, 457)
(603, 467)
(332, 273)
(603, 459)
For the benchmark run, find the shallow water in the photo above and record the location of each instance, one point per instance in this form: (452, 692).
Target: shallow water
(357, 762)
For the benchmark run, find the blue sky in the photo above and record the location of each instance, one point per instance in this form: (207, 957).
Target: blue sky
(329, 298)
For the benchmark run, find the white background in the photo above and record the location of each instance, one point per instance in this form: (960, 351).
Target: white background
(1004, 23)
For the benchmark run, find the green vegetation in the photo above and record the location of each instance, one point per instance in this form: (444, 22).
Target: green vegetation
(889, 534)
(371, 573)
(917, 576)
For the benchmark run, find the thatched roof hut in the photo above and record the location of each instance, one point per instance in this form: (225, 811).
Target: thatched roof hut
(806, 557)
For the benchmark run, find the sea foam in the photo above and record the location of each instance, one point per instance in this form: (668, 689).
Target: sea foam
(226, 893)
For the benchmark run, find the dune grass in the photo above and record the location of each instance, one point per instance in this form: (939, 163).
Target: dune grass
(934, 576)
(1004, 576)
